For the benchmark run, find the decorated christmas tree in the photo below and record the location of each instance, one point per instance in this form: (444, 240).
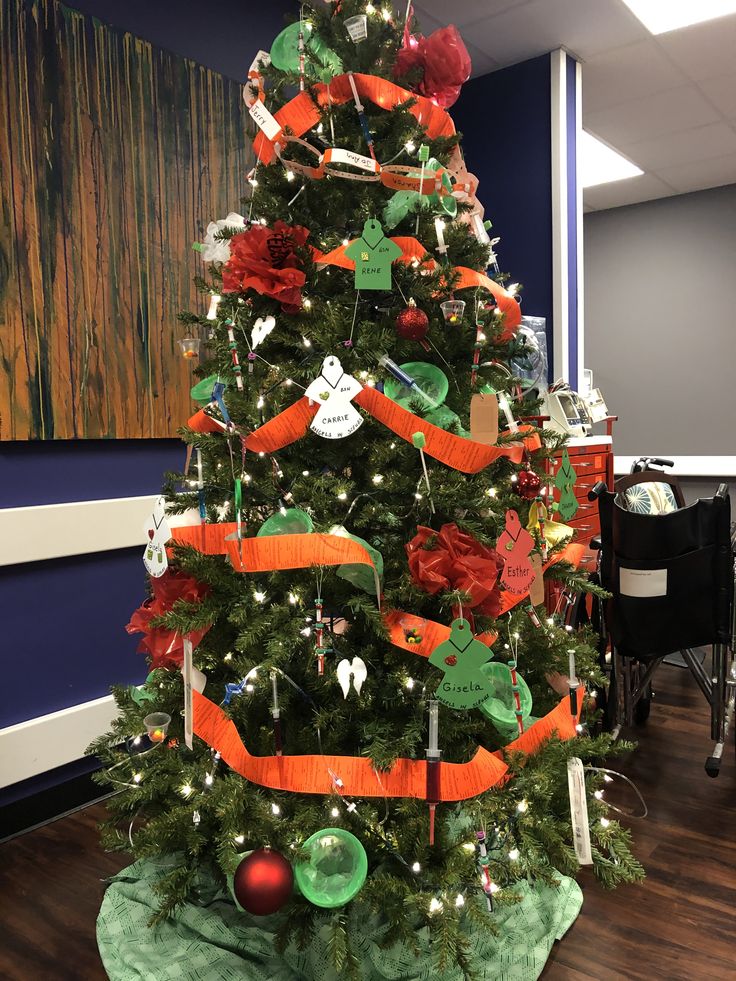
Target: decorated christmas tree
(360, 713)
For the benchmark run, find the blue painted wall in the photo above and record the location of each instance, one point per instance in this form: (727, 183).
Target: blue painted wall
(505, 121)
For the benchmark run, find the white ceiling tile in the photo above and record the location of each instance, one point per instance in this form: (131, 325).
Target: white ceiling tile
(687, 146)
(627, 73)
(704, 173)
(631, 191)
(464, 12)
(533, 28)
(640, 119)
(703, 50)
(722, 93)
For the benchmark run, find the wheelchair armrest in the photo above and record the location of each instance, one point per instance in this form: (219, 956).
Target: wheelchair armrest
(596, 490)
(595, 544)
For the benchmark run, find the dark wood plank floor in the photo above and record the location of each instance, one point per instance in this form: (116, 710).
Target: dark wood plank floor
(678, 925)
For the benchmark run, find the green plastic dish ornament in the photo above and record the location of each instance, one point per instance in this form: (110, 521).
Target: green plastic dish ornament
(499, 708)
(202, 391)
(291, 521)
(403, 203)
(336, 868)
(285, 50)
(429, 379)
(361, 576)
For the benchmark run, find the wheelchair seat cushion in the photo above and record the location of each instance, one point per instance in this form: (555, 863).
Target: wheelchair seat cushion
(649, 497)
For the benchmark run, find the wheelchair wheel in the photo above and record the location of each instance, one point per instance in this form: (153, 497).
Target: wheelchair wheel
(643, 707)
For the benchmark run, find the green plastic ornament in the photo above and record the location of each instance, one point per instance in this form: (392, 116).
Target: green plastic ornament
(336, 868)
(565, 483)
(143, 694)
(290, 521)
(429, 378)
(499, 708)
(202, 391)
(444, 417)
(403, 203)
(464, 686)
(285, 50)
(360, 575)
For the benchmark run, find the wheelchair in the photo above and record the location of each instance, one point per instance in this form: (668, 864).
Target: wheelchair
(669, 568)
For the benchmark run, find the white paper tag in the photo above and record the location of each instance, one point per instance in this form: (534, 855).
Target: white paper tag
(186, 670)
(336, 155)
(263, 118)
(337, 417)
(642, 582)
(579, 810)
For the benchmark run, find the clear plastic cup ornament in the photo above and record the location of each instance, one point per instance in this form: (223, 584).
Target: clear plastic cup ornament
(157, 725)
(452, 311)
(357, 27)
(189, 347)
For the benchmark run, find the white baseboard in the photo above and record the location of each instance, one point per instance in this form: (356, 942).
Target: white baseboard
(32, 747)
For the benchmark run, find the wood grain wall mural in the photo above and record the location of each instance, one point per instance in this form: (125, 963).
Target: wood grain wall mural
(114, 155)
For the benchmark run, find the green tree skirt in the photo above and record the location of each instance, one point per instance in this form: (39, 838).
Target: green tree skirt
(213, 941)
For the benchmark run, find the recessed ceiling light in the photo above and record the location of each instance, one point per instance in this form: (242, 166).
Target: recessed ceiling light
(660, 16)
(599, 164)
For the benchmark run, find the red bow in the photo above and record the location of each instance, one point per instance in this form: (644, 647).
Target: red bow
(443, 58)
(166, 647)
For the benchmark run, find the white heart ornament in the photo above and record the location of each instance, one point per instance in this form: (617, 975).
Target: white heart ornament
(357, 671)
(261, 329)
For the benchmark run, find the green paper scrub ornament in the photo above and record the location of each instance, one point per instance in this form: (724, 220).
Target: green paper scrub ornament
(336, 868)
(291, 521)
(565, 483)
(373, 254)
(461, 657)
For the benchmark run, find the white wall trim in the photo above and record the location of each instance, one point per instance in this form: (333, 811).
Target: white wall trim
(560, 306)
(716, 467)
(52, 531)
(40, 744)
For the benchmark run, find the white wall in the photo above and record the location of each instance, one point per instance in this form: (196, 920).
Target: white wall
(660, 312)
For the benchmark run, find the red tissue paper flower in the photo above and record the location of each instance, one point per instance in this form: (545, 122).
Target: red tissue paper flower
(452, 559)
(263, 259)
(444, 59)
(166, 647)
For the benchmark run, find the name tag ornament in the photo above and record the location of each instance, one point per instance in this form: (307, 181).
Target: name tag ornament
(461, 658)
(333, 390)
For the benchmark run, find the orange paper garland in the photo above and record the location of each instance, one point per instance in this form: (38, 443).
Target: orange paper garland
(312, 774)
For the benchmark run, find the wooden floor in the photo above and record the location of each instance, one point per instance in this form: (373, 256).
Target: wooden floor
(677, 926)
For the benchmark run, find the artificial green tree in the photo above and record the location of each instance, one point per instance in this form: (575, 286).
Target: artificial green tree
(371, 484)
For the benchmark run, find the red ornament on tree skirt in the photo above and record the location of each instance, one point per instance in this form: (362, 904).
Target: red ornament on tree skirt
(412, 323)
(527, 485)
(263, 882)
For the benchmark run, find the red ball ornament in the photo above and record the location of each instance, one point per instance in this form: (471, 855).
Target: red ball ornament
(412, 323)
(263, 882)
(527, 485)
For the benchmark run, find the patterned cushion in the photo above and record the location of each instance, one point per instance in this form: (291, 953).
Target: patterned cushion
(649, 497)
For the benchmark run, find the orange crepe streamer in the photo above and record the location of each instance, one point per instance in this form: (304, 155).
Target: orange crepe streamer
(301, 113)
(454, 451)
(311, 774)
(274, 552)
(285, 428)
(200, 422)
